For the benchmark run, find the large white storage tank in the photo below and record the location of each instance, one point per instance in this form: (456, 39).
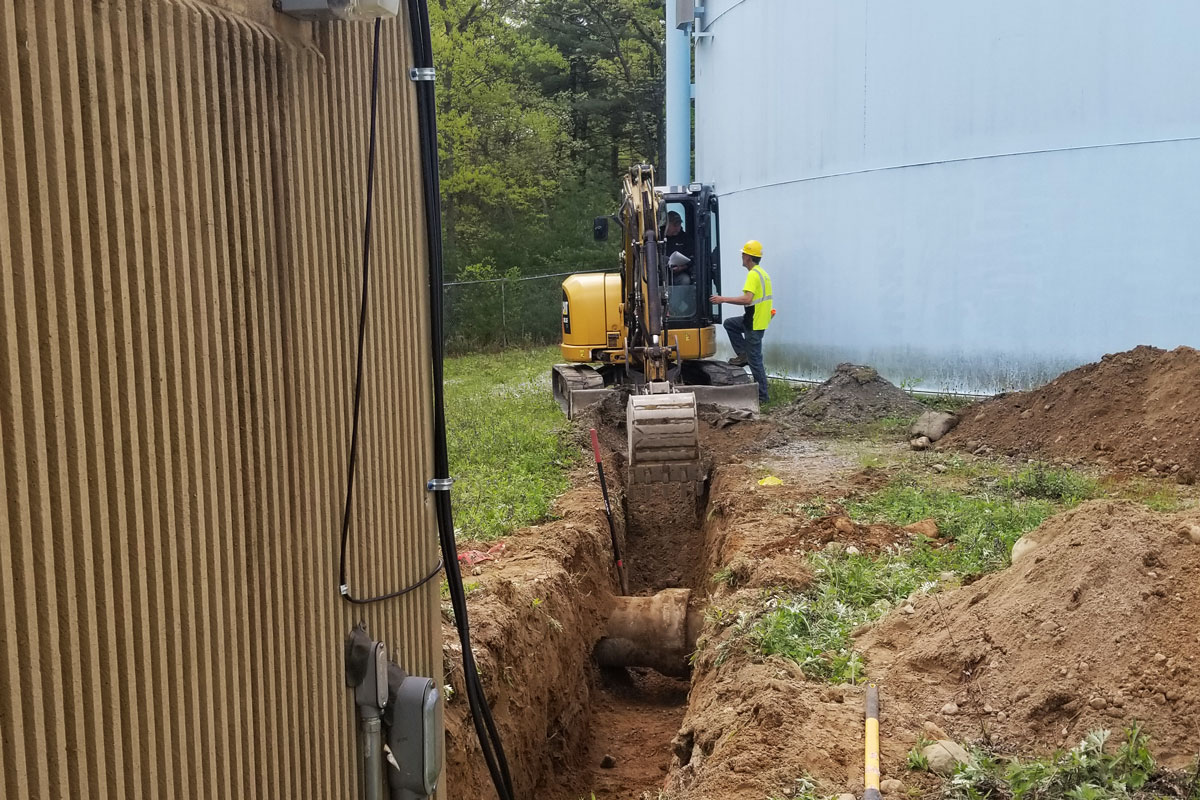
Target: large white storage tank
(968, 195)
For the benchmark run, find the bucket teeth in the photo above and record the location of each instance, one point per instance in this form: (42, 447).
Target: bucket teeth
(664, 440)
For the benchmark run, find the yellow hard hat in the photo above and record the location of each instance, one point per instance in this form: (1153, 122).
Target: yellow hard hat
(753, 248)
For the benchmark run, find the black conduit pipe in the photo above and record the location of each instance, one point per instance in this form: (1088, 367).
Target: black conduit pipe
(481, 714)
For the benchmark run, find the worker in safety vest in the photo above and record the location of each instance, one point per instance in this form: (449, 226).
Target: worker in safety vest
(746, 332)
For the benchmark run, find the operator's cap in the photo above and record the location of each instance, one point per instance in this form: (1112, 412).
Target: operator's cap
(753, 248)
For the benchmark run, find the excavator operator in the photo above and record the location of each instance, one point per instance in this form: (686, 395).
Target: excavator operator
(676, 240)
(746, 332)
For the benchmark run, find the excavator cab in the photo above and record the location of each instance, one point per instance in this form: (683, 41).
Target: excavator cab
(649, 330)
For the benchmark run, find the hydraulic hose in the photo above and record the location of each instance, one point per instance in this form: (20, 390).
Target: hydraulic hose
(481, 715)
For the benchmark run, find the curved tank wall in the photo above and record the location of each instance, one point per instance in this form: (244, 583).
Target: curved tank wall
(967, 195)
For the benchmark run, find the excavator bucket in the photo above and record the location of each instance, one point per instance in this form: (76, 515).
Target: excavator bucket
(664, 438)
(741, 397)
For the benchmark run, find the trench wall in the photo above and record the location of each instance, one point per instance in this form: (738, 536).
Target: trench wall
(180, 223)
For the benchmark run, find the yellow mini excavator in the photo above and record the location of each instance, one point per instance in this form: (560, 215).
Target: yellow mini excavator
(649, 330)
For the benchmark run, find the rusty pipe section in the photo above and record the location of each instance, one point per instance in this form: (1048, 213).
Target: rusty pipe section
(659, 632)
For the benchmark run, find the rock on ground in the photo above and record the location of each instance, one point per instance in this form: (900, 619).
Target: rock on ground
(1022, 546)
(944, 755)
(933, 425)
(926, 527)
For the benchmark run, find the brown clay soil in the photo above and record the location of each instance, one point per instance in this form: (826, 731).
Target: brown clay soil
(536, 610)
(854, 394)
(1098, 626)
(636, 713)
(1136, 409)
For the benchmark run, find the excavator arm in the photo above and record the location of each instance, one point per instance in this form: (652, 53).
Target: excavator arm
(662, 427)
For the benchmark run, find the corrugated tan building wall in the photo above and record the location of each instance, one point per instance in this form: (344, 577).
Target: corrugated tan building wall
(180, 224)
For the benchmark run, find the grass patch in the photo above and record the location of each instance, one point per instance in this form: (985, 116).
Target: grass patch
(888, 428)
(508, 454)
(1156, 495)
(983, 525)
(1052, 483)
(780, 394)
(1092, 770)
(982, 522)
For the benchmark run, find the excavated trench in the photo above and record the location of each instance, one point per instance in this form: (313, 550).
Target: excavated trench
(589, 688)
(639, 674)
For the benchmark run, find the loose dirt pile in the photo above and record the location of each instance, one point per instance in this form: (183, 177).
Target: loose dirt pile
(1096, 627)
(853, 394)
(1136, 409)
(754, 728)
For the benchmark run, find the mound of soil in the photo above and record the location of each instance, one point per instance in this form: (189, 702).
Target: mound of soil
(1095, 628)
(853, 394)
(1136, 408)
(754, 728)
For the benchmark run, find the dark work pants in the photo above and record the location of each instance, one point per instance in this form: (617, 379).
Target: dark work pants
(749, 344)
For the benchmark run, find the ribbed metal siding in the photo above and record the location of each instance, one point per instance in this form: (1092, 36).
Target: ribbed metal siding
(180, 224)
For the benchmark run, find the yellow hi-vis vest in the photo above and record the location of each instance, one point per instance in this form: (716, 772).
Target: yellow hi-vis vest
(758, 283)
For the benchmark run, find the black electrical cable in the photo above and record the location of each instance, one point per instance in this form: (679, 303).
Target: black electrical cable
(481, 715)
(358, 373)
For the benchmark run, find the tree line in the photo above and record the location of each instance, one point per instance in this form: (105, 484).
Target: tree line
(542, 104)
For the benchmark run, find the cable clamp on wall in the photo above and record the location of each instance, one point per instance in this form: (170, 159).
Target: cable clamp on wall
(421, 73)
(439, 484)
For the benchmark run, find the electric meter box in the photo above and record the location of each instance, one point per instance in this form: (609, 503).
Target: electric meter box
(344, 10)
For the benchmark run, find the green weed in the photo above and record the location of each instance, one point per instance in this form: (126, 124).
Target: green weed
(1092, 770)
(1051, 483)
(508, 453)
(814, 631)
(780, 394)
(816, 507)
(804, 788)
(944, 402)
(726, 577)
(916, 757)
(469, 588)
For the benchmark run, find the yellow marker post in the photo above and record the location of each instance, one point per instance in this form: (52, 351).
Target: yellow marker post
(871, 774)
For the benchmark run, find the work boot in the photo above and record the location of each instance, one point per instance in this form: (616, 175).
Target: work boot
(739, 361)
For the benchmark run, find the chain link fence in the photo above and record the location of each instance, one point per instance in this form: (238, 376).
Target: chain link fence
(503, 312)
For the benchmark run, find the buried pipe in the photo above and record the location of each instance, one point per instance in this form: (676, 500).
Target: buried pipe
(659, 632)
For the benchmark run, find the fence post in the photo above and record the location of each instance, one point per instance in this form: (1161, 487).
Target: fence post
(503, 315)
